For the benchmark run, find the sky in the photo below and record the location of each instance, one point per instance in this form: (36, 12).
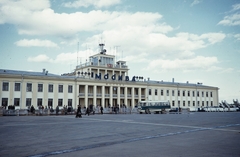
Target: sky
(188, 40)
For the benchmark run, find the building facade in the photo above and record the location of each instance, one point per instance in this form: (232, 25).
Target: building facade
(100, 81)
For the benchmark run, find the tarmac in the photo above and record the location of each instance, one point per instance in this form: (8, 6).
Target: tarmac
(129, 135)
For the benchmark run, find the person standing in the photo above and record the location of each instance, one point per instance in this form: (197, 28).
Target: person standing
(87, 111)
(79, 113)
(57, 110)
(101, 109)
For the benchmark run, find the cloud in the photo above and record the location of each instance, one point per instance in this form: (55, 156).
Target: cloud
(227, 70)
(44, 21)
(40, 58)
(233, 19)
(237, 36)
(195, 2)
(62, 58)
(142, 40)
(88, 3)
(36, 43)
(236, 7)
(196, 63)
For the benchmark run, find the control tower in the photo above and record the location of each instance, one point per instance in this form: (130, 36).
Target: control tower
(102, 63)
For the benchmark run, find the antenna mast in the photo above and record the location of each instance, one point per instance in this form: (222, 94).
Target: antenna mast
(77, 53)
(116, 51)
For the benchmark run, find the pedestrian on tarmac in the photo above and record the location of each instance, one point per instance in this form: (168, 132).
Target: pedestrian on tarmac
(101, 109)
(87, 111)
(79, 113)
(57, 110)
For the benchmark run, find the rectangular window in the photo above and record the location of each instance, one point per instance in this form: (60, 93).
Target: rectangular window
(4, 101)
(207, 103)
(193, 103)
(188, 103)
(136, 91)
(162, 92)
(198, 93)
(60, 102)
(172, 92)
(17, 87)
(188, 93)
(69, 102)
(60, 88)
(183, 103)
(211, 103)
(70, 88)
(29, 87)
(167, 92)
(16, 101)
(50, 102)
(28, 102)
(5, 86)
(202, 93)
(39, 101)
(155, 91)
(193, 93)
(173, 103)
(202, 103)
(178, 92)
(50, 88)
(149, 92)
(211, 94)
(198, 103)
(206, 94)
(179, 103)
(40, 87)
(183, 93)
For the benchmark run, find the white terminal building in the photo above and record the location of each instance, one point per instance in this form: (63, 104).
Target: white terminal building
(100, 82)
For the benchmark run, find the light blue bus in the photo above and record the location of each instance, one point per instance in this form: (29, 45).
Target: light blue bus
(149, 107)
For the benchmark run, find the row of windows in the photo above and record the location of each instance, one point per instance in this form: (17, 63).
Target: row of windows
(193, 103)
(17, 87)
(184, 93)
(39, 102)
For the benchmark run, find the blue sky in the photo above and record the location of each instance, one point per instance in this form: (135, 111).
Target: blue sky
(188, 40)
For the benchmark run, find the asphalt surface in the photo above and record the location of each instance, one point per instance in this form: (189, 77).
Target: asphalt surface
(118, 135)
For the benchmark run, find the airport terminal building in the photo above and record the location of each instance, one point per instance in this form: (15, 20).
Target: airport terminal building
(100, 82)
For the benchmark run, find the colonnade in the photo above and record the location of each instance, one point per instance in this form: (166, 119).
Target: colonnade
(110, 95)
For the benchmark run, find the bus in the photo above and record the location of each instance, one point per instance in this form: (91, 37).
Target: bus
(153, 106)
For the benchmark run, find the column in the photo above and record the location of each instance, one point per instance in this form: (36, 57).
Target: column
(95, 95)
(125, 96)
(111, 96)
(118, 95)
(133, 97)
(139, 94)
(86, 96)
(103, 96)
(146, 94)
(76, 98)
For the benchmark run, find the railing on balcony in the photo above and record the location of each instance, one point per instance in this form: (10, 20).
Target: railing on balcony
(101, 65)
(90, 94)
(81, 94)
(108, 95)
(99, 94)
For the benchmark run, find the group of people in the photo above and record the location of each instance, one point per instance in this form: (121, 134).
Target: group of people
(88, 111)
